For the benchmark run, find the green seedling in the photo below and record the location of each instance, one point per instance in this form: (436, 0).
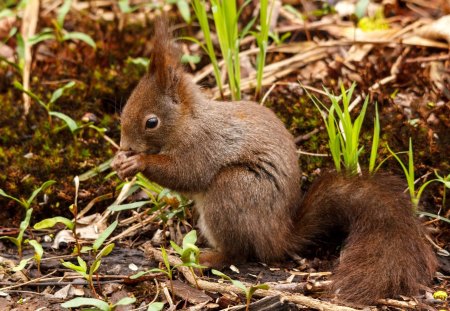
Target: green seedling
(82, 267)
(248, 291)
(167, 270)
(71, 124)
(51, 222)
(410, 180)
(343, 132)
(225, 15)
(101, 238)
(23, 226)
(97, 303)
(189, 253)
(38, 253)
(59, 33)
(70, 224)
(409, 174)
(199, 7)
(159, 197)
(277, 39)
(155, 306)
(26, 203)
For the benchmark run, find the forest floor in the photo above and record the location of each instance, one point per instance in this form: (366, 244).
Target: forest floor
(403, 66)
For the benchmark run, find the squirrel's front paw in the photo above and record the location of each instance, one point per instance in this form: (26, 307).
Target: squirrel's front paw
(127, 166)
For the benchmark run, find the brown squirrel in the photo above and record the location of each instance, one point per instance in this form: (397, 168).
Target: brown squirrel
(239, 164)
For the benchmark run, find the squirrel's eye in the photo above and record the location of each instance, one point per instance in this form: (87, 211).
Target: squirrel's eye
(151, 122)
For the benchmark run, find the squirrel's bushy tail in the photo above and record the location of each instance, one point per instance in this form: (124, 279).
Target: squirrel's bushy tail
(385, 253)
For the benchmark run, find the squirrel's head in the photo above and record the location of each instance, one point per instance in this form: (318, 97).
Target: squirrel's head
(159, 102)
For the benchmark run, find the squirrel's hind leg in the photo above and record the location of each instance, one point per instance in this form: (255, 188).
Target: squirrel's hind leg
(243, 215)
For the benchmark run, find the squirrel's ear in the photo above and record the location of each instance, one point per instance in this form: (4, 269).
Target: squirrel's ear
(164, 60)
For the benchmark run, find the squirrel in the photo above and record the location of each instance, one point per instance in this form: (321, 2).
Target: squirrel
(239, 164)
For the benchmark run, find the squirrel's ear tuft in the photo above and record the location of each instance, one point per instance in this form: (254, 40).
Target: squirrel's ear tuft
(164, 60)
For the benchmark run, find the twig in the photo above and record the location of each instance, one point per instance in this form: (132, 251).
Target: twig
(306, 136)
(28, 29)
(312, 154)
(28, 282)
(225, 288)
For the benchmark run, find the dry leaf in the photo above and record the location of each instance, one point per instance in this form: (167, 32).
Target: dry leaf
(437, 30)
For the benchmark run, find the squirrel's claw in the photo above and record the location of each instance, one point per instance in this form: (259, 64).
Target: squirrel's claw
(127, 166)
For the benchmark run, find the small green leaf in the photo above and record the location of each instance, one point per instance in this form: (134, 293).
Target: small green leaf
(42, 36)
(165, 259)
(94, 267)
(105, 251)
(142, 273)
(220, 274)
(186, 58)
(82, 263)
(164, 192)
(104, 235)
(123, 207)
(43, 187)
(139, 61)
(85, 249)
(124, 6)
(178, 249)
(6, 13)
(190, 238)
(62, 12)
(24, 224)
(73, 126)
(59, 92)
(125, 301)
(74, 267)
(81, 301)
(38, 250)
(4, 194)
(51, 222)
(361, 8)
(80, 36)
(21, 265)
(185, 12)
(193, 265)
(239, 285)
(155, 306)
(19, 86)
(96, 170)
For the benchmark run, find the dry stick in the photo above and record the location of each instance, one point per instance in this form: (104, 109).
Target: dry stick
(428, 58)
(130, 231)
(224, 288)
(28, 282)
(275, 73)
(28, 29)
(93, 202)
(56, 281)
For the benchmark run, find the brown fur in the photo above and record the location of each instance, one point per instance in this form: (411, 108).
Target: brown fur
(239, 164)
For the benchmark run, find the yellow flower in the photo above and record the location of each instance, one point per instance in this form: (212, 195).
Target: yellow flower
(441, 295)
